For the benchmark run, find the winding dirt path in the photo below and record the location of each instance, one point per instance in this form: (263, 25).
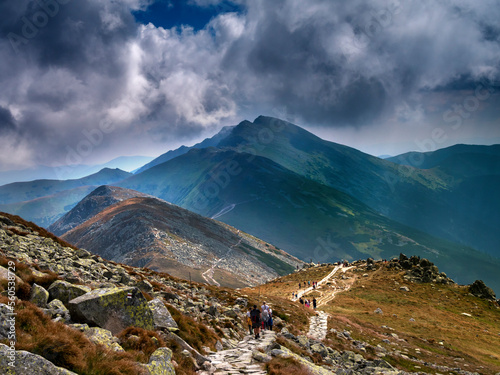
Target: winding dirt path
(300, 293)
(208, 275)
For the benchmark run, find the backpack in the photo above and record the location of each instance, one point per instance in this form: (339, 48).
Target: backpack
(265, 315)
(255, 316)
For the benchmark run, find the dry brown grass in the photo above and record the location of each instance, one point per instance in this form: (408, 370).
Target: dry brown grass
(142, 341)
(193, 332)
(286, 366)
(66, 347)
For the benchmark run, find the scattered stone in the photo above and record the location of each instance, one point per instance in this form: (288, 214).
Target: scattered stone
(378, 311)
(404, 289)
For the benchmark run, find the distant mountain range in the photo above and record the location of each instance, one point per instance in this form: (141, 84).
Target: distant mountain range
(323, 201)
(45, 201)
(43, 172)
(148, 232)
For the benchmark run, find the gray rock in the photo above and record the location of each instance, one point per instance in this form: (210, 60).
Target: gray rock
(145, 286)
(218, 346)
(161, 315)
(27, 363)
(320, 349)
(6, 325)
(243, 302)
(212, 310)
(231, 313)
(277, 352)
(378, 311)
(113, 308)
(303, 341)
(104, 337)
(260, 357)
(64, 291)
(479, 289)
(160, 362)
(39, 296)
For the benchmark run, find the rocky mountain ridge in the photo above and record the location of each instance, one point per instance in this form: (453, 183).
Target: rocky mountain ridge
(148, 232)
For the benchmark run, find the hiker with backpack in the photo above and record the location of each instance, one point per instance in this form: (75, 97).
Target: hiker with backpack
(270, 320)
(265, 318)
(255, 317)
(249, 320)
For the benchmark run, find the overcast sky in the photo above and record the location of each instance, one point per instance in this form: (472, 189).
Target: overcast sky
(87, 81)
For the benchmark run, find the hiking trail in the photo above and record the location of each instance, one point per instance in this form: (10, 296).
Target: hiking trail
(208, 275)
(239, 360)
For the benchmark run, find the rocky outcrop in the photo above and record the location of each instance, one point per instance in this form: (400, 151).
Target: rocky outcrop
(113, 308)
(479, 289)
(420, 270)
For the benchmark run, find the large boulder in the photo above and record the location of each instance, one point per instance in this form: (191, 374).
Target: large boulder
(26, 363)
(479, 289)
(160, 362)
(161, 315)
(113, 309)
(64, 291)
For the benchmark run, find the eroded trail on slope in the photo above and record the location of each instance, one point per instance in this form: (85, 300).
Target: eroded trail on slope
(208, 275)
(318, 325)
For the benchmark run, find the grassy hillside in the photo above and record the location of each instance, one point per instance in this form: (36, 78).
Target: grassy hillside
(427, 326)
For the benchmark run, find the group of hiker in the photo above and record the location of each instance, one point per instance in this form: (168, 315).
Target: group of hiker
(259, 319)
(308, 284)
(307, 303)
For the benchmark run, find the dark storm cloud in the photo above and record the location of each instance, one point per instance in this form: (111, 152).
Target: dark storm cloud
(7, 121)
(336, 64)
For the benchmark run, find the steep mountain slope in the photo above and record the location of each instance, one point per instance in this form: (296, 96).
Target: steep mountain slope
(308, 219)
(25, 191)
(209, 142)
(431, 200)
(148, 232)
(100, 198)
(473, 173)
